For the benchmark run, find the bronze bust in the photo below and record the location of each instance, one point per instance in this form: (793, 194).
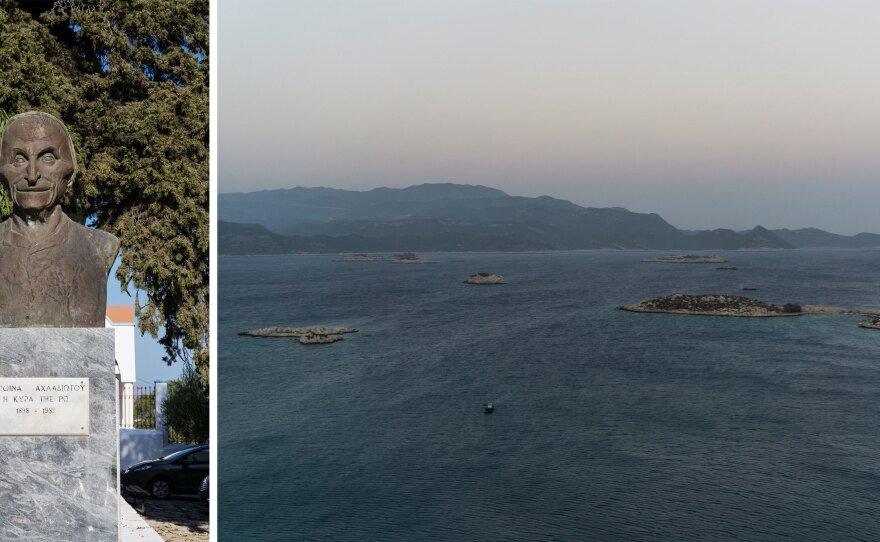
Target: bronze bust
(53, 271)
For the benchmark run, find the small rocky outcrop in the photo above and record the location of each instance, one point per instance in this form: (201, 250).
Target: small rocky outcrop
(486, 278)
(822, 309)
(305, 335)
(727, 268)
(361, 258)
(316, 338)
(713, 305)
(873, 323)
(408, 258)
(686, 258)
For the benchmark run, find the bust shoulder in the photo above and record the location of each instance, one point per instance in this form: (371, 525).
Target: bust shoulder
(108, 246)
(105, 243)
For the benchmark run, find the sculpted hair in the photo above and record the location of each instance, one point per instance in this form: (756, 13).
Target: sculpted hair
(44, 118)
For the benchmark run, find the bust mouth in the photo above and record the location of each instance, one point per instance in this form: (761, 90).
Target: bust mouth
(34, 189)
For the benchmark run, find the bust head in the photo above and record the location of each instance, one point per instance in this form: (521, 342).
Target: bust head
(37, 162)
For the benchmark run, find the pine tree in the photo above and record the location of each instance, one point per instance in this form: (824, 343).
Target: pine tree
(130, 81)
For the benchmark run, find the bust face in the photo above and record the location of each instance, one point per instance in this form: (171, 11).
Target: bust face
(35, 163)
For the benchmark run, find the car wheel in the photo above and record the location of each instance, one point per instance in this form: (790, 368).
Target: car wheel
(160, 488)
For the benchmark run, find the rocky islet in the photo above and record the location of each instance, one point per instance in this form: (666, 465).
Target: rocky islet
(686, 258)
(361, 258)
(485, 279)
(305, 335)
(713, 305)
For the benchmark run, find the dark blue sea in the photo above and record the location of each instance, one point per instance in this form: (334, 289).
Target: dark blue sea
(610, 425)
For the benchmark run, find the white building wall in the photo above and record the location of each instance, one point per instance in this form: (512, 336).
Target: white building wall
(124, 351)
(125, 369)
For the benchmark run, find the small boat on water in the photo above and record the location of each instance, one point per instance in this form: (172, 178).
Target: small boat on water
(489, 408)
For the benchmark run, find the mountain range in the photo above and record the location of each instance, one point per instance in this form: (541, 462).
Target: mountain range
(456, 217)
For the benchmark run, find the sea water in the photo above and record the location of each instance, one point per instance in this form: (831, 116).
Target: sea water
(609, 425)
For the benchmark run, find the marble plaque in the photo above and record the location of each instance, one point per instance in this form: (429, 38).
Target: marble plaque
(44, 406)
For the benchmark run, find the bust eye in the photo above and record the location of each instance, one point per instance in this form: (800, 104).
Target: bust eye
(48, 158)
(19, 160)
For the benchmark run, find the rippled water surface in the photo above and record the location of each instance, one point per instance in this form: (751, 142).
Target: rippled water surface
(609, 425)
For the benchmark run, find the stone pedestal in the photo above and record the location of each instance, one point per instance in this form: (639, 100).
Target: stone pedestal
(58, 487)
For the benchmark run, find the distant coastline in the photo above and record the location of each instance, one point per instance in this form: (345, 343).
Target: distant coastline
(545, 251)
(470, 218)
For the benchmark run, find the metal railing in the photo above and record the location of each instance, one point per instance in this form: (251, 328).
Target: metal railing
(137, 407)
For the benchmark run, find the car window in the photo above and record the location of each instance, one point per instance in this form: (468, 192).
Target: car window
(199, 457)
(177, 454)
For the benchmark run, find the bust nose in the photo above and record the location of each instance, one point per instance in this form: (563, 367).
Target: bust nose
(32, 174)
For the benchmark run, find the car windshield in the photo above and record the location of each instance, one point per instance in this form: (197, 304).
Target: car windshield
(177, 454)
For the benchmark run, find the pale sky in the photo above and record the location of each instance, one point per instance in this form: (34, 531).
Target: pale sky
(711, 113)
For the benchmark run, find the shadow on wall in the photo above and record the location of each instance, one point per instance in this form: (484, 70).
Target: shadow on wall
(137, 445)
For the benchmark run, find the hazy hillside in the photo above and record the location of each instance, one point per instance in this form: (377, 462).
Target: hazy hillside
(283, 210)
(812, 237)
(448, 217)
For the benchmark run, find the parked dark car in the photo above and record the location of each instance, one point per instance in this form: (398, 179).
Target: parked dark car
(180, 472)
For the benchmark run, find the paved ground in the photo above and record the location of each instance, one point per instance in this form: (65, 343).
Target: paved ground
(133, 528)
(177, 519)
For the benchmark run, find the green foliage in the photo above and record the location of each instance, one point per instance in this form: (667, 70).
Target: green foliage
(130, 80)
(185, 409)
